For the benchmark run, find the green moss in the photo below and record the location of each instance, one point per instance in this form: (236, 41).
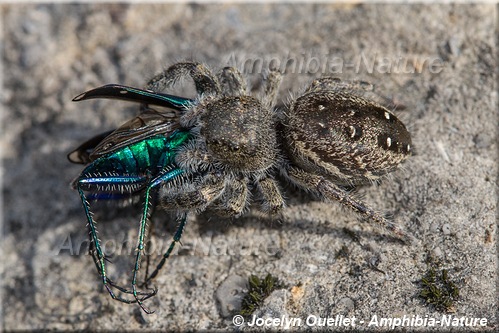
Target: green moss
(259, 289)
(438, 290)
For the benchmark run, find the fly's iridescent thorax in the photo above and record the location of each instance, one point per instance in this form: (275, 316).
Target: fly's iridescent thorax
(145, 157)
(239, 133)
(344, 137)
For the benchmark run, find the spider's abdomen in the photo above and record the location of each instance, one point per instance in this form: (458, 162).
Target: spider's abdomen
(240, 133)
(344, 137)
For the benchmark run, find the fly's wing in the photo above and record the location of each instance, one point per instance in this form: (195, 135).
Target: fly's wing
(81, 155)
(148, 97)
(149, 123)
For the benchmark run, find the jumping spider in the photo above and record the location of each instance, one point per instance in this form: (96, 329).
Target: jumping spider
(226, 147)
(234, 148)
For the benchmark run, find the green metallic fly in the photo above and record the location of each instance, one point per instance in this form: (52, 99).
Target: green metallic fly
(226, 149)
(135, 159)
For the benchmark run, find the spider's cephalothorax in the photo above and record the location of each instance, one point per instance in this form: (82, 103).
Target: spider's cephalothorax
(234, 147)
(224, 149)
(239, 133)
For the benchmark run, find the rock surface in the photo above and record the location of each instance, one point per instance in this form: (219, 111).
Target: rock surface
(437, 60)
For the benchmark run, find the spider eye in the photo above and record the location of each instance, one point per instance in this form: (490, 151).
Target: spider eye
(239, 132)
(218, 144)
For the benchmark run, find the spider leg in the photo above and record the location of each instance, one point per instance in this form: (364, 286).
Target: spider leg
(182, 218)
(336, 84)
(272, 82)
(332, 192)
(232, 82)
(234, 200)
(273, 202)
(205, 81)
(196, 195)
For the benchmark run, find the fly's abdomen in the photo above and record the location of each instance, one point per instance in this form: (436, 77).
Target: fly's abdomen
(132, 165)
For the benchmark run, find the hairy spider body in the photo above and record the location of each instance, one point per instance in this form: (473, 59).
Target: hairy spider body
(224, 149)
(234, 147)
(334, 137)
(332, 131)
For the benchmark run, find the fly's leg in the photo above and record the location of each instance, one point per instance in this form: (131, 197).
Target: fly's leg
(165, 176)
(330, 191)
(140, 248)
(136, 183)
(182, 218)
(96, 250)
(147, 250)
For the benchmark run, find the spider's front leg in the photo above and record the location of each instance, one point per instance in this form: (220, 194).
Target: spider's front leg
(194, 195)
(229, 197)
(232, 82)
(328, 190)
(272, 201)
(205, 81)
(234, 200)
